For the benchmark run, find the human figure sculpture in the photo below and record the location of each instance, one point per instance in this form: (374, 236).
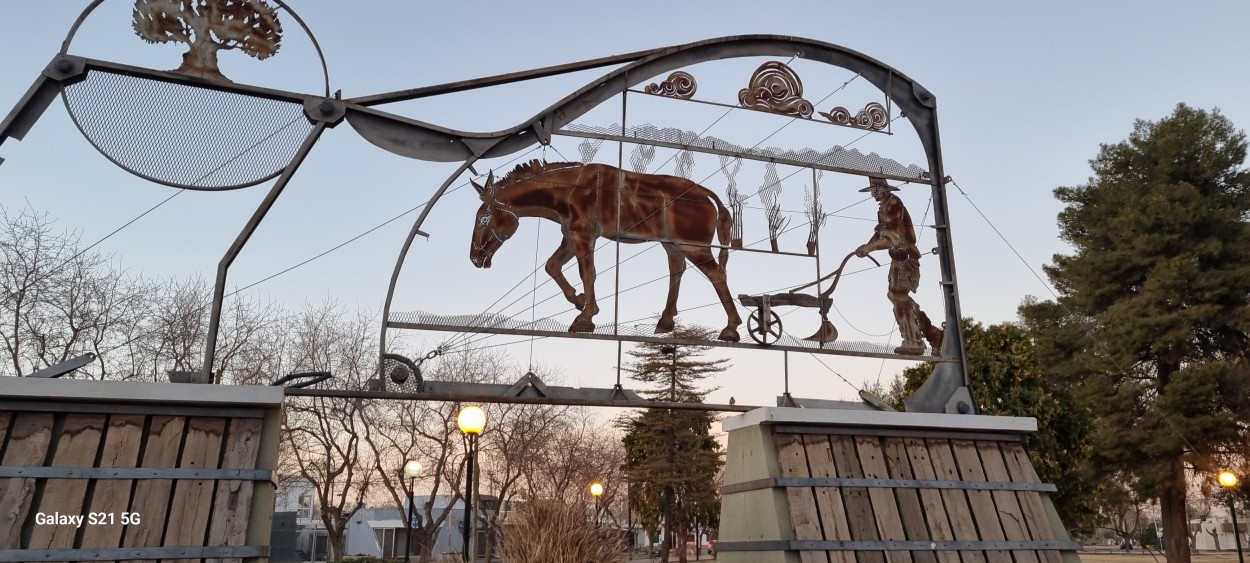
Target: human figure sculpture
(896, 235)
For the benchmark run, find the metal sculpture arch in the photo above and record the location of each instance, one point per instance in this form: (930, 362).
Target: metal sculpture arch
(87, 86)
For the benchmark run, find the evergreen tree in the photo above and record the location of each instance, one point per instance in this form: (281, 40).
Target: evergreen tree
(1006, 379)
(1154, 305)
(671, 458)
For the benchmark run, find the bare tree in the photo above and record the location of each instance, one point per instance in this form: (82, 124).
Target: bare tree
(770, 195)
(250, 26)
(323, 434)
(59, 300)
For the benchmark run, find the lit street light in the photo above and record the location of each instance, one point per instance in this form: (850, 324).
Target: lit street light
(471, 420)
(412, 469)
(596, 490)
(1229, 481)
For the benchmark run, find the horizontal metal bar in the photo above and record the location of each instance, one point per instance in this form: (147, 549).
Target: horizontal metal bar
(923, 545)
(128, 553)
(136, 473)
(748, 345)
(719, 246)
(843, 482)
(896, 433)
(498, 79)
(491, 398)
(745, 155)
(115, 408)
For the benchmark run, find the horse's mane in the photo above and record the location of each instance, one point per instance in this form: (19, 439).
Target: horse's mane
(533, 168)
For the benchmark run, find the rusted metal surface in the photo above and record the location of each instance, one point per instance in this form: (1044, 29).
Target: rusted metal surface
(776, 88)
(873, 117)
(680, 85)
(680, 214)
(208, 26)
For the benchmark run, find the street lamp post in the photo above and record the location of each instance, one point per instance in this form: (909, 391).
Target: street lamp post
(596, 490)
(472, 419)
(1229, 481)
(412, 469)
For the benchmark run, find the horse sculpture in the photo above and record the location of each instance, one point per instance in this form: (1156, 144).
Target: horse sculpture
(596, 200)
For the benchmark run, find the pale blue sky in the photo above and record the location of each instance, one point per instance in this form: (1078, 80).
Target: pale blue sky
(1026, 92)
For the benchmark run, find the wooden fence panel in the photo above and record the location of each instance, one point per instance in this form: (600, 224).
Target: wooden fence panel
(151, 499)
(233, 503)
(76, 445)
(27, 445)
(884, 505)
(792, 461)
(833, 518)
(122, 440)
(192, 501)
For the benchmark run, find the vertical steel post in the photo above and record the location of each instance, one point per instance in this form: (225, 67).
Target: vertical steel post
(1232, 509)
(408, 533)
(468, 492)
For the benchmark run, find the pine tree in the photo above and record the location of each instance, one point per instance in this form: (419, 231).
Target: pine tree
(671, 458)
(1154, 307)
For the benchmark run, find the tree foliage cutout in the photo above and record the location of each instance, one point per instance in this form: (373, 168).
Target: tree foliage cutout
(208, 26)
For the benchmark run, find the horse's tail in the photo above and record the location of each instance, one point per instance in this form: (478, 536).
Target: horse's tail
(724, 226)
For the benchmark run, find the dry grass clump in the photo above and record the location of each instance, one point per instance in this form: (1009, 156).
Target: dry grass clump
(546, 531)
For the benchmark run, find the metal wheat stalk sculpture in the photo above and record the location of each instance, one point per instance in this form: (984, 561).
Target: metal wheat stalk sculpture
(735, 198)
(770, 194)
(815, 214)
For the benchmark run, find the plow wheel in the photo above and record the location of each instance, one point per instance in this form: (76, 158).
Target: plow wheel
(764, 331)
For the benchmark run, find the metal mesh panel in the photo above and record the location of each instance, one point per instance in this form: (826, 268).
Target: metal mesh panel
(184, 135)
(835, 156)
(495, 323)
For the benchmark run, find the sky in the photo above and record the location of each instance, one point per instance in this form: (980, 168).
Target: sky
(1026, 92)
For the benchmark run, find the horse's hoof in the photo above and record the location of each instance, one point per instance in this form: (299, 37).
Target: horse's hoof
(581, 325)
(729, 335)
(664, 327)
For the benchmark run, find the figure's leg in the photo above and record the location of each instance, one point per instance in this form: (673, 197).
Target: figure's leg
(676, 267)
(555, 269)
(701, 257)
(584, 249)
(905, 315)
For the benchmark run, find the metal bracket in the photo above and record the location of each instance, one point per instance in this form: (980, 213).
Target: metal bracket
(65, 367)
(528, 381)
(331, 111)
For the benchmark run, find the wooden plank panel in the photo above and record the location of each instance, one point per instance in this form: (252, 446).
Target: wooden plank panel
(162, 443)
(858, 505)
(192, 502)
(956, 501)
(833, 518)
(931, 499)
(29, 438)
(912, 513)
(982, 502)
(1010, 515)
(884, 505)
(122, 439)
(233, 504)
(804, 516)
(5, 417)
(1021, 470)
(76, 446)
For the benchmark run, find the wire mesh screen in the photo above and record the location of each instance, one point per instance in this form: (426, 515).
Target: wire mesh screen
(493, 323)
(835, 156)
(183, 135)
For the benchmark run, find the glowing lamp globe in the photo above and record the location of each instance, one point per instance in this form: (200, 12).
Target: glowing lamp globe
(596, 489)
(1227, 479)
(472, 419)
(412, 469)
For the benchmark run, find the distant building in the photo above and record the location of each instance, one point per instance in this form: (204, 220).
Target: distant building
(379, 532)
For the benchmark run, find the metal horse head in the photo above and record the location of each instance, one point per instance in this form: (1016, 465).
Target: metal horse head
(495, 223)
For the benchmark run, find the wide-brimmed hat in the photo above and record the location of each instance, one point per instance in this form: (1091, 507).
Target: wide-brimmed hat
(878, 183)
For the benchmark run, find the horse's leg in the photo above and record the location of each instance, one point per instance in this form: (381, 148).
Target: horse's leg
(701, 257)
(585, 252)
(676, 266)
(555, 269)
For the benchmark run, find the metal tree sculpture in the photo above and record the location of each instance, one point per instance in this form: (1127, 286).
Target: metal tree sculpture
(815, 214)
(209, 26)
(770, 194)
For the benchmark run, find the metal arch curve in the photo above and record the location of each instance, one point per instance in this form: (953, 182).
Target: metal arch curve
(325, 70)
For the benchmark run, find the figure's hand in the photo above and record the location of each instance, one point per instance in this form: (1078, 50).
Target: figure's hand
(862, 251)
